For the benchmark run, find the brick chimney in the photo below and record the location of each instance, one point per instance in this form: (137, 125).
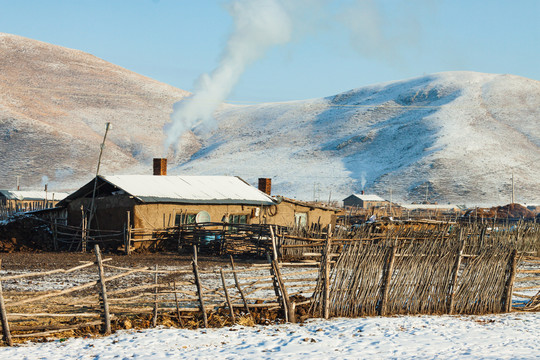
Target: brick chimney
(160, 166)
(362, 190)
(265, 185)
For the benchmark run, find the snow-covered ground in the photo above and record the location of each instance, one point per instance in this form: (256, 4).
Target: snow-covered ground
(506, 336)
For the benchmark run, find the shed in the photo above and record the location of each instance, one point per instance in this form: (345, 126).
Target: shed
(18, 200)
(364, 201)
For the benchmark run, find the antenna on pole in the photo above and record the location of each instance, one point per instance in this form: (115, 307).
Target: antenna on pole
(107, 127)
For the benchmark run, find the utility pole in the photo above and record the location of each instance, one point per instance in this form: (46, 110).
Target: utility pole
(390, 201)
(512, 188)
(107, 127)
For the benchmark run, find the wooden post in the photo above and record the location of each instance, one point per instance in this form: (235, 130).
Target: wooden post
(231, 309)
(3, 317)
(127, 240)
(237, 283)
(199, 287)
(325, 263)
(385, 289)
(106, 316)
(154, 318)
(274, 248)
(55, 235)
(287, 309)
(177, 306)
(275, 284)
(83, 230)
(507, 300)
(455, 271)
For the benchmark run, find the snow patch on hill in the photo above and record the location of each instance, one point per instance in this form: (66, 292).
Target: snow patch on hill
(448, 135)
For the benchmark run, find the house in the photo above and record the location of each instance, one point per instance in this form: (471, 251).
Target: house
(304, 214)
(156, 202)
(159, 201)
(364, 201)
(17, 201)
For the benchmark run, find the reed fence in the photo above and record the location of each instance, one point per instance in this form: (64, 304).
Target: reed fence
(416, 278)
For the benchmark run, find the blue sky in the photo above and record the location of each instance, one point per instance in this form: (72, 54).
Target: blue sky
(175, 41)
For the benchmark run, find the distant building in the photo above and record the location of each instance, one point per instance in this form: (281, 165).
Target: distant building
(364, 201)
(17, 201)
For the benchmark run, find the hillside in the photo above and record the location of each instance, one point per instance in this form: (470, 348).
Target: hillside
(448, 137)
(54, 103)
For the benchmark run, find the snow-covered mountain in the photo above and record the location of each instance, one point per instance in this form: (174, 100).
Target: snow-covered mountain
(448, 137)
(54, 103)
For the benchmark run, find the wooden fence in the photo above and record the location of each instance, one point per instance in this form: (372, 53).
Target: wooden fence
(525, 237)
(382, 276)
(419, 278)
(187, 297)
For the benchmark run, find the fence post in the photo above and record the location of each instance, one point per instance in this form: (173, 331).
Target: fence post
(55, 234)
(154, 318)
(325, 263)
(277, 288)
(289, 314)
(83, 230)
(106, 316)
(199, 287)
(237, 283)
(387, 277)
(274, 248)
(127, 240)
(455, 270)
(3, 317)
(231, 309)
(177, 306)
(507, 300)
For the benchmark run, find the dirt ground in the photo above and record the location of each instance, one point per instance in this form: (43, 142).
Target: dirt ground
(34, 261)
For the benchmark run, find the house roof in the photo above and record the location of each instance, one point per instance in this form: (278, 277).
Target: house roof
(308, 204)
(32, 195)
(182, 189)
(431, 207)
(367, 197)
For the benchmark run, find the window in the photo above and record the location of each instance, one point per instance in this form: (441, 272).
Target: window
(184, 219)
(300, 219)
(238, 219)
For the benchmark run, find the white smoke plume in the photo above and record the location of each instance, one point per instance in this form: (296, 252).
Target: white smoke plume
(258, 25)
(382, 35)
(363, 180)
(261, 24)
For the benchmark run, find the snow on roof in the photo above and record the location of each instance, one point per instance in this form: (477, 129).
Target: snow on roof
(431, 206)
(190, 189)
(33, 195)
(368, 197)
